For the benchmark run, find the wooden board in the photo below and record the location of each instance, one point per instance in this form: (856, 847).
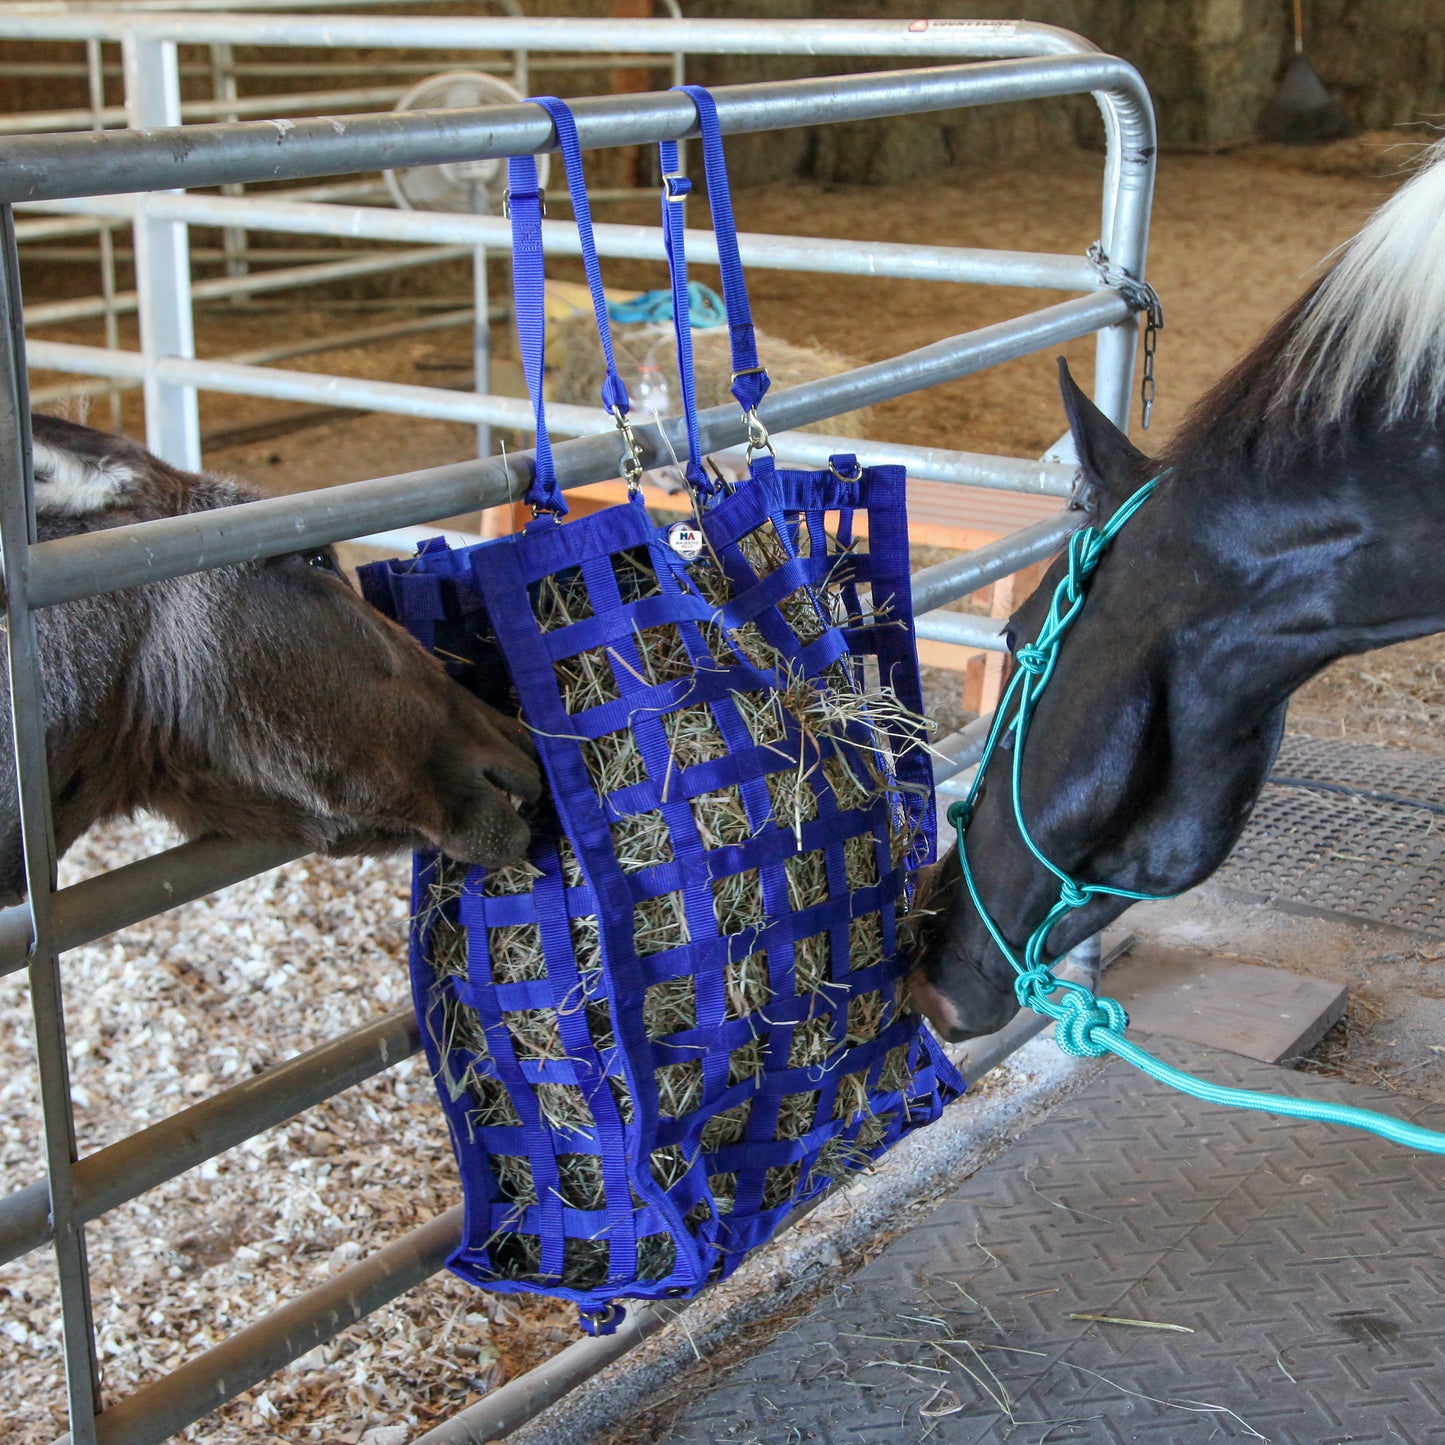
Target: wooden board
(1262, 1013)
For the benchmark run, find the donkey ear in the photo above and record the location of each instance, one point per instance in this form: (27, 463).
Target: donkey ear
(1113, 467)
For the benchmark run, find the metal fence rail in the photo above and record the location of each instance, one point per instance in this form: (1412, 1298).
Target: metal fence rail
(38, 575)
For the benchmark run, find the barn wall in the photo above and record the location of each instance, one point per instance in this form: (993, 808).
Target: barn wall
(1211, 65)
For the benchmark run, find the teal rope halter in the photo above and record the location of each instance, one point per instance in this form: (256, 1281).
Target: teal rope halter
(1087, 1025)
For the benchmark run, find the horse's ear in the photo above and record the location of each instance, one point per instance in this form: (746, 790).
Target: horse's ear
(1113, 466)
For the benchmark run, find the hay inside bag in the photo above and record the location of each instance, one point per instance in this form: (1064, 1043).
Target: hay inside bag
(681, 1017)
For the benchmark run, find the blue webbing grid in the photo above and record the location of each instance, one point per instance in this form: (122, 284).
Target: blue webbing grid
(668, 1201)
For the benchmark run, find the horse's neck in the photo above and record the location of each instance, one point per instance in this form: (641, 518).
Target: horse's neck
(1309, 554)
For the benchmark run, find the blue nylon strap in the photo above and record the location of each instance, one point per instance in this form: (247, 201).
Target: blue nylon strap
(750, 382)
(614, 394)
(675, 188)
(529, 302)
(529, 287)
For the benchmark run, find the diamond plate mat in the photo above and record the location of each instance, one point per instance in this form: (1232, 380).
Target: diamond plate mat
(1301, 1264)
(1350, 832)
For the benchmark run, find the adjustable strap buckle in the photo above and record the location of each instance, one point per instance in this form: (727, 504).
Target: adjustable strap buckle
(675, 186)
(540, 193)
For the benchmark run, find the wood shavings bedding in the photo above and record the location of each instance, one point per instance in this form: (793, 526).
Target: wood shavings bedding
(163, 1015)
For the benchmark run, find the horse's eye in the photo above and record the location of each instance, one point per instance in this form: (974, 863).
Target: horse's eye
(321, 561)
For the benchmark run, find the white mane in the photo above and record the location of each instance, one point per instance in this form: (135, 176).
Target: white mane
(1383, 305)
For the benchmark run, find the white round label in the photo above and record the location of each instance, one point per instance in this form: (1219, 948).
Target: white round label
(686, 540)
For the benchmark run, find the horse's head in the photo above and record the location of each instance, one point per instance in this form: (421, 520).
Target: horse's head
(1139, 768)
(265, 699)
(320, 716)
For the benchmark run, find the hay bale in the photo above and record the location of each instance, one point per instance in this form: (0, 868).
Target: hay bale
(576, 370)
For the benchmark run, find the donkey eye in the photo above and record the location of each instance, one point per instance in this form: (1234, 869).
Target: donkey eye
(321, 561)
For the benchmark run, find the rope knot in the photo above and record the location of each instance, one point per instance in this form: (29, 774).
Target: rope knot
(1034, 984)
(1032, 659)
(960, 814)
(1081, 1017)
(1071, 895)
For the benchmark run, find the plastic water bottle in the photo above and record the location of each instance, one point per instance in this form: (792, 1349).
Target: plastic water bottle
(651, 393)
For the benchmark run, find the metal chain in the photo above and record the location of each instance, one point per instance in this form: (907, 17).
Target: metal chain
(1140, 296)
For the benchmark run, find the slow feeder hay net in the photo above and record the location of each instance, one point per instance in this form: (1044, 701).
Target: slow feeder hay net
(682, 1016)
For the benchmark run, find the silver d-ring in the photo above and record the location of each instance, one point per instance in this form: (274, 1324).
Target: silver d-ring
(857, 475)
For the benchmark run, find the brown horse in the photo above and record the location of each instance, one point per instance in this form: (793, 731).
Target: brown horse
(264, 699)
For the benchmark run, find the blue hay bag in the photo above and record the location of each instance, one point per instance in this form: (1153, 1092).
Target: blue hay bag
(682, 1016)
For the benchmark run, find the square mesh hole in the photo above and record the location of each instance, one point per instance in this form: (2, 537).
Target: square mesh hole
(793, 799)
(679, 1088)
(509, 882)
(656, 1256)
(494, 1108)
(613, 761)
(641, 841)
(599, 1025)
(579, 1181)
(812, 1043)
(513, 1173)
(801, 614)
(780, 1184)
(721, 818)
(564, 1106)
(670, 1007)
(710, 580)
(617, 1086)
(747, 1061)
(572, 874)
(748, 639)
(693, 735)
(747, 985)
(718, 642)
(807, 879)
(447, 945)
(586, 937)
(668, 1166)
(737, 901)
(797, 1114)
(852, 1095)
(865, 940)
(860, 860)
(536, 1034)
(659, 924)
(724, 1189)
(763, 549)
(636, 577)
(762, 715)
(811, 968)
(515, 950)
(848, 789)
(729, 1126)
(516, 1256)
(663, 654)
(894, 1074)
(560, 599)
(585, 680)
(867, 1016)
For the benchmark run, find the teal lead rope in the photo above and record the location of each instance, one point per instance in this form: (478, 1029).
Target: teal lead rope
(1088, 1026)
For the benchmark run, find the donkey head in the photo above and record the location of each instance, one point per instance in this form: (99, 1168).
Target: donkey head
(265, 699)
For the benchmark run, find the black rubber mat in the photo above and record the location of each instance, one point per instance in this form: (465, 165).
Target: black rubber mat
(1303, 1265)
(1351, 832)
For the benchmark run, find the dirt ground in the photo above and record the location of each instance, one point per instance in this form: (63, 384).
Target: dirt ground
(165, 1013)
